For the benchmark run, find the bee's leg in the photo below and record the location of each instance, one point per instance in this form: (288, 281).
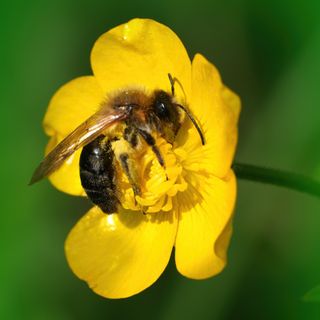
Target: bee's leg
(128, 167)
(129, 170)
(148, 138)
(130, 135)
(125, 157)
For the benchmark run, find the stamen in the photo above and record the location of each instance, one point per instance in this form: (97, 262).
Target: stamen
(158, 183)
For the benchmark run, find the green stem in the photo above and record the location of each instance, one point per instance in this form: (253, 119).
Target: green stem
(277, 177)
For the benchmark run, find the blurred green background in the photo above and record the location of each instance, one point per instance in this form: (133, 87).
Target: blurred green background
(269, 53)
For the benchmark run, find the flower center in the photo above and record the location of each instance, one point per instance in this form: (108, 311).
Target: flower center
(158, 183)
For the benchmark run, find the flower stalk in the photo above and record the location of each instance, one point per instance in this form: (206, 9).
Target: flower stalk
(277, 177)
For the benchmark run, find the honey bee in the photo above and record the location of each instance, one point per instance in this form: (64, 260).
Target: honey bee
(112, 135)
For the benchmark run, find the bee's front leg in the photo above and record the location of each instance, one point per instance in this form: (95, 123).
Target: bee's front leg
(149, 139)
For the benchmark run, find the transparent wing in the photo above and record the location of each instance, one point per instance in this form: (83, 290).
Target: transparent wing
(82, 135)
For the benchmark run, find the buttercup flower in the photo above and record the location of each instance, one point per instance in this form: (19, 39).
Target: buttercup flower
(187, 204)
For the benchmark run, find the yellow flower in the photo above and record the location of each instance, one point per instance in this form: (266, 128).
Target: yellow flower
(189, 204)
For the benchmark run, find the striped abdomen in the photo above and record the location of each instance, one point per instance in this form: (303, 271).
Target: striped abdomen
(97, 174)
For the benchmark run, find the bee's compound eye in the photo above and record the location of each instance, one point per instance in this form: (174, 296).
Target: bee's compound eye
(161, 110)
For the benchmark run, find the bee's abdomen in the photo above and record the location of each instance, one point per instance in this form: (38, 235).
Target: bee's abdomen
(97, 174)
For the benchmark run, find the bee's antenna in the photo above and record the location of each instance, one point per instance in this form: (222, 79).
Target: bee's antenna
(172, 81)
(194, 122)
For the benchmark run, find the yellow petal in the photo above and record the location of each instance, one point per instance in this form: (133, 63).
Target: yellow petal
(204, 229)
(121, 254)
(217, 109)
(72, 104)
(67, 177)
(141, 53)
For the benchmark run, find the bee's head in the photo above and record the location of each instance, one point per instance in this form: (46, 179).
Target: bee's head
(167, 116)
(165, 111)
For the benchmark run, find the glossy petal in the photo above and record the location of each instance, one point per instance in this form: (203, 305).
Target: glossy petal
(204, 231)
(217, 108)
(121, 254)
(67, 177)
(141, 53)
(72, 104)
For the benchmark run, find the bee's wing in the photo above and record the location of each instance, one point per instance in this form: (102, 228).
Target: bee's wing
(82, 135)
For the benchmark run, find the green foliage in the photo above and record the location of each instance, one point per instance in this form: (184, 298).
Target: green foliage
(313, 295)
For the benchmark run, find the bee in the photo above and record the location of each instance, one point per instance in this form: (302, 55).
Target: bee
(111, 137)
